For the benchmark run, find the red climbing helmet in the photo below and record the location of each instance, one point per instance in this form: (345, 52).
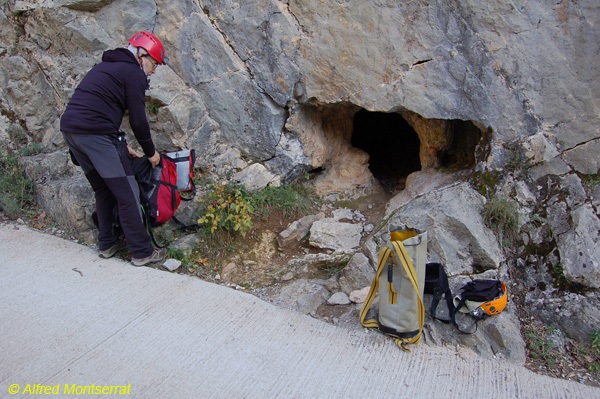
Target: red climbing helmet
(151, 44)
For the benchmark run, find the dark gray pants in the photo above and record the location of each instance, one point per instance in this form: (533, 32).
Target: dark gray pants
(105, 162)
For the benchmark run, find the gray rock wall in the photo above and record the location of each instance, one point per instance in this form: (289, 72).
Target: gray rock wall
(239, 68)
(278, 83)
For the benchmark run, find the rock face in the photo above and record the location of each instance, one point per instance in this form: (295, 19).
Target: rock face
(282, 81)
(503, 93)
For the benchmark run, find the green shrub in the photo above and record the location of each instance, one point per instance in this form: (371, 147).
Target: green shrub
(226, 212)
(539, 346)
(485, 182)
(591, 181)
(290, 199)
(153, 108)
(501, 215)
(16, 190)
(232, 208)
(594, 360)
(227, 207)
(595, 341)
(558, 275)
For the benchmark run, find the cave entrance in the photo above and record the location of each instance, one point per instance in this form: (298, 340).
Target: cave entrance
(350, 148)
(460, 153)
(392, 144)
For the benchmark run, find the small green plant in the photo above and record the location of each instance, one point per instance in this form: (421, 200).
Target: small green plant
(485, 182)
(552, 329)
(227, 207)
(558, 275)
(501, 215)
(153, 108)
(180, 255)
(16, 190)
(332, 269)
(31, 149)
(540, 348)
(591, 181)
(227, 211)
(542, 351)
(595, 341)
(289, 199)
(594, 363)
(232, 208)
(177, 253)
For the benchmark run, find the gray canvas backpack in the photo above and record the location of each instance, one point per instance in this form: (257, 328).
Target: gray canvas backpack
(399, 282)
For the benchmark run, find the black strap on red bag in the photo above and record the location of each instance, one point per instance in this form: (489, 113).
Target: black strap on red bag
(159, 194)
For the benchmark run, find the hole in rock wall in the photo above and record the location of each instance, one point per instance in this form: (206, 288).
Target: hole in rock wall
(401, 143)
(460, 153)
(392, 144)
(350, 146)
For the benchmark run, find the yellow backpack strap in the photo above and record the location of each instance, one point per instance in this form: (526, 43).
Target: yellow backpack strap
(383, 258)
(404, 259)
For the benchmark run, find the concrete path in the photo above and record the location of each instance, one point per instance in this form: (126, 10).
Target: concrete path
(73, 323)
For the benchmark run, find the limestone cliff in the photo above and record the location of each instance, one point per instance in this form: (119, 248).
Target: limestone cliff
(509, 88)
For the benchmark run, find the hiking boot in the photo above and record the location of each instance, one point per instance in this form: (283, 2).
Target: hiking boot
(117, 246)
(157, 255)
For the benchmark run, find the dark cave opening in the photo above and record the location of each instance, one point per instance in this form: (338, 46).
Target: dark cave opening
(461, 152)
(392, 144)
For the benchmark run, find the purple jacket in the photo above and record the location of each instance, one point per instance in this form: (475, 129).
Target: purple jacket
(109, 89)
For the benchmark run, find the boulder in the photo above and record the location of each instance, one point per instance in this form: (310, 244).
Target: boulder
(256, 176)
(457, 235)
(359, 296)
(339, 298)
(299, 229)
(579, 247)
(357, 274)
(330, 234)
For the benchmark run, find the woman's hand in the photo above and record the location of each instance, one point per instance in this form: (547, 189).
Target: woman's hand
(133, 153)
